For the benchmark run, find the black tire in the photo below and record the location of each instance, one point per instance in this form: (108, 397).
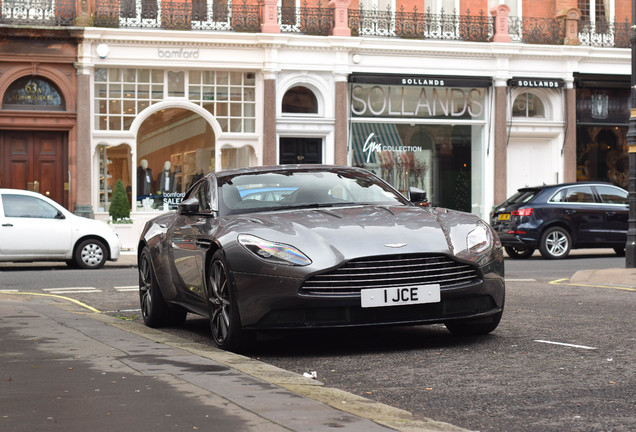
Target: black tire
(519, 252)
(474, 327)
(225, 322)
(90, 254)
(154, 309)
(555, 243)
(620, 251)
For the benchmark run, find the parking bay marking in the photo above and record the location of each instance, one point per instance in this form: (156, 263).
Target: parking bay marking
(565, 344)
(72, 290)
(127, 288)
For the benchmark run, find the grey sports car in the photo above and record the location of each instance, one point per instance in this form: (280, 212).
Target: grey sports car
(290, 247)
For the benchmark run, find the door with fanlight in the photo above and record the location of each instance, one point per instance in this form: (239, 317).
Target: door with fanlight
(35, 161)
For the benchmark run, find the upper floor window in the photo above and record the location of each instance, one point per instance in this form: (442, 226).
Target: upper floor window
(598, 12)
(528, 105)
(300, 100)
(445, 6)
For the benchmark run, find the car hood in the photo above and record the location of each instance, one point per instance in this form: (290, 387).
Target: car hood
(330, 235)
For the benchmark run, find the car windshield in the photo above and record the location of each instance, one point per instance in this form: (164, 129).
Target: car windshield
(281, 190)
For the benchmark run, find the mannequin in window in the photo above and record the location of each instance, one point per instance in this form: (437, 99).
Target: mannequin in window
(166, 179)
(144, 179)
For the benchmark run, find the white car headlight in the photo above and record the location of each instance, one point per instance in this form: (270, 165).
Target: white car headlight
(277, 253)
(479, 240)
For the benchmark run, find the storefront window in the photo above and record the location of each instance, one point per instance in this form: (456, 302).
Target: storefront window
(122, 93)
(114, 164)
(175, 148)
(426, 136)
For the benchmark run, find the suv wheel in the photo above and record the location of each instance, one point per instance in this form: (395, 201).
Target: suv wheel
(555, 243)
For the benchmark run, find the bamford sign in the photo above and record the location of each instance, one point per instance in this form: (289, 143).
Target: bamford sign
(177, 53)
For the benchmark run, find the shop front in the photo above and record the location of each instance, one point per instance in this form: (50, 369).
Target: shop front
(602, 116)
(160, 130)
(424, 131)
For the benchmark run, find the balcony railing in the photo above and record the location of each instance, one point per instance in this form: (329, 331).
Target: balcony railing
(247, 16)
(38, 12)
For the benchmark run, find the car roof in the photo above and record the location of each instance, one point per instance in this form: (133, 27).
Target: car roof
(561, 185)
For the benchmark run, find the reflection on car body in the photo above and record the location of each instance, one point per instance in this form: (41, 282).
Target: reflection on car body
(558, 218)
(336, 247)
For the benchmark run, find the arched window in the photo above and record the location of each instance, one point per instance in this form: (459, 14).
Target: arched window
(33, 93)
(300, 100)
(528, 105)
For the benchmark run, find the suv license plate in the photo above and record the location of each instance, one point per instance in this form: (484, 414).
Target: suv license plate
(504, 216)
(377, 297)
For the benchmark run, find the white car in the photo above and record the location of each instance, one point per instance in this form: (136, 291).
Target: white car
(36, 228)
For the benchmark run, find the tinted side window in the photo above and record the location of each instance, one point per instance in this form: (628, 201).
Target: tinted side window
(27, 207)
(203, 195)
(612, 195)
(576, 194)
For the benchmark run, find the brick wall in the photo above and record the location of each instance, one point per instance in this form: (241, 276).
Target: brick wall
(475, 6)
(540, 8)
(623, 10)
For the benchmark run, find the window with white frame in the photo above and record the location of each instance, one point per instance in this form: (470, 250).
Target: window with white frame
(122, 93)
(378, 5)
(599, 12)
(528, 105)
(442, 6)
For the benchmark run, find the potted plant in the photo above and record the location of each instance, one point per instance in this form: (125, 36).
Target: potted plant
(119, 212)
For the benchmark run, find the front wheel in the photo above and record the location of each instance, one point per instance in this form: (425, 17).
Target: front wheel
(90, 254)
(519, 252)
(225, 322)
(555, 243)
(474, 327)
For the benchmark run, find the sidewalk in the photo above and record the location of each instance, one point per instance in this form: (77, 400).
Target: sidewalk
(66, 369)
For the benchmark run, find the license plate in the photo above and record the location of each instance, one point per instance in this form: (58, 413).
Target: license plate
(504, 216)
(377, 297)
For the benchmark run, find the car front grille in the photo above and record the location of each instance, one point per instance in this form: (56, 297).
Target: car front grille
(391, 271)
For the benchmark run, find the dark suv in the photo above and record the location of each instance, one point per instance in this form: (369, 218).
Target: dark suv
(558, 218)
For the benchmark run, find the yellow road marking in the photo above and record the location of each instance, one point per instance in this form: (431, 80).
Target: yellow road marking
(560, 282)
(72, 300)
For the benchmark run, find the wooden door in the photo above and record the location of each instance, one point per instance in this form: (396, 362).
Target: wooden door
(300, 151)
(35, 161)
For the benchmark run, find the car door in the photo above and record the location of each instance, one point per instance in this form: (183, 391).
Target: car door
(577, 207)
(32, 227)
(190, 241)
(615, 210)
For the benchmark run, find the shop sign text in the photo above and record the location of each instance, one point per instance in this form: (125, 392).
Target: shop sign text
(392, 101)
(177, 53)
(372, 146)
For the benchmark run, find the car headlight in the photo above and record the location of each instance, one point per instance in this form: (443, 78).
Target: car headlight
(277, 253)
(479, 240)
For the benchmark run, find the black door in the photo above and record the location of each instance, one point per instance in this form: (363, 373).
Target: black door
(300, 151)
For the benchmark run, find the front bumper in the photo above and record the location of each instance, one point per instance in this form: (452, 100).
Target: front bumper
(267, 302)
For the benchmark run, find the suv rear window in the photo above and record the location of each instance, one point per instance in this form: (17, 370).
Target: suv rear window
(521, 197)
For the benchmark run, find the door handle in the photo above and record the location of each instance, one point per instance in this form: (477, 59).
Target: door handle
(570, 212)
(7, 225)
(610, 213)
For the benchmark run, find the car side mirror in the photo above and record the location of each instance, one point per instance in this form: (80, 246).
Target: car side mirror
(189, 206)
(418, 196)
(60, 215)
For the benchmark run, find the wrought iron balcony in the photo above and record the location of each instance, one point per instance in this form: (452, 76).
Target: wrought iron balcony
(247, 16)
(38, 12)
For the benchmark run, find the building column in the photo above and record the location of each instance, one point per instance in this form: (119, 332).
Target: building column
(82, 205)
(342, 114)
(269, 121)
(569, 144)
(500, 142)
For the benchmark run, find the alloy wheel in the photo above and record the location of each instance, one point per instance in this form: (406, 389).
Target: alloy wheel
(219, 299)
(145, 286)
(557, 243)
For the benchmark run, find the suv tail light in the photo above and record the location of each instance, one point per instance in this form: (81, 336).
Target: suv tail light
(522, 212)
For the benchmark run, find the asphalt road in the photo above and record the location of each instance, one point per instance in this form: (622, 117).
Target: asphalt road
(562, 359)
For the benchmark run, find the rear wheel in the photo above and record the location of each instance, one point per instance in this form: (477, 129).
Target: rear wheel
(154, 309)
(519, 252)
(90, 254)
(555, 243)
(225, 322)
(474, 327)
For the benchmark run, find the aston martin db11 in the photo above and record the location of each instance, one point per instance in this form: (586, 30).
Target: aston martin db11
(291, 247)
